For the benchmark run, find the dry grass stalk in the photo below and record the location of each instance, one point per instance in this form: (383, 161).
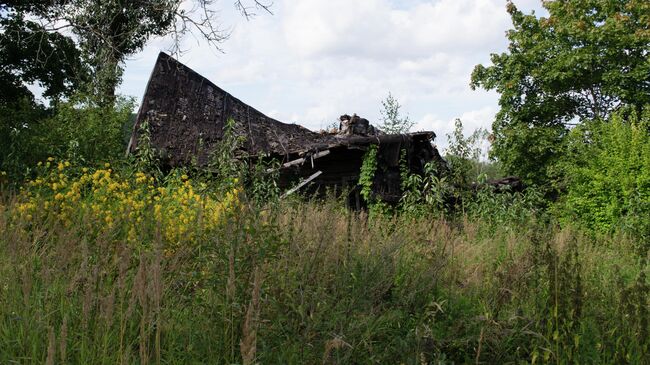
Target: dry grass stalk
(124, 260)
(230, 285)
(51, 347)
(63, 339)
(480, 343)
(140, 294)
(90, 296)
(26, 284)
(423, 359)
(82, 272)
(333, 344)
(248, 343)
(108, 308)
(156, 292)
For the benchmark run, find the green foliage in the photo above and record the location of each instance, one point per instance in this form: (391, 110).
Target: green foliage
(85, 132)
(584, 61)
(78, 130)
(99, 37)
(458, 190)
(109, 31)
(504, 208)
(146, 158)
(367, 173)
(262, 182)
(225, 168)
(366, 181)
(608, 173)
(29, 54)
(392, 121)
(18, 143)
(229, 167)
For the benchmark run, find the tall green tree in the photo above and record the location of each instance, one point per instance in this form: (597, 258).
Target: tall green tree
(32, 54)
(104, 33)
(111, 30)
(587, 59)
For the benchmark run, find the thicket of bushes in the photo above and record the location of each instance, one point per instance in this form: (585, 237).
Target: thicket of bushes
(607, 169)
(78, 130)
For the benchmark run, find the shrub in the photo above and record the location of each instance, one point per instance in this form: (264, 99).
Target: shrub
(84, 132)
(77, 130)
(608, 173)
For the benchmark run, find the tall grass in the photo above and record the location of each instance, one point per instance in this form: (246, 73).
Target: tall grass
(312, 282)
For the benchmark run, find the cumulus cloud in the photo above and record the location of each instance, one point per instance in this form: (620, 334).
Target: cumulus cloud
(316, 59)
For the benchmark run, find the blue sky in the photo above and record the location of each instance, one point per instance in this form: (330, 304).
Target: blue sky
(313, 60)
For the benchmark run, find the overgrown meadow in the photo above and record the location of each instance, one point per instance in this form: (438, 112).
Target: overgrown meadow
(112, 259)
(120, 265)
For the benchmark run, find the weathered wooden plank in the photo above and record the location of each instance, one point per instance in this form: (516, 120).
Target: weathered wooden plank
(305, 182)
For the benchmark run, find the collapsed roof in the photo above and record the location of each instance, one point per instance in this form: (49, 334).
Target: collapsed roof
(187, 113)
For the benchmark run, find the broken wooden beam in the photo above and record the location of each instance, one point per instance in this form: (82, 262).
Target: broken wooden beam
(305, 182)
(302, 160)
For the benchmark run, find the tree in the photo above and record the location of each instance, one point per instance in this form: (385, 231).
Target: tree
(30, 54)
(392, 121)
(106, 32)
(463, 155)
(587, 59)
(111, 30)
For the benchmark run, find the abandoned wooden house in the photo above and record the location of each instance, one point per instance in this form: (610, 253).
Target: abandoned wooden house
(186, 115)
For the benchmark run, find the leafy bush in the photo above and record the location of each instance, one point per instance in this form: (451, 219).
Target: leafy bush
(424, 194)
(608, 173)
(84, 132)
(77, 130)
(505, 208)
(18, 145)
(367, 173)
(464, 155)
